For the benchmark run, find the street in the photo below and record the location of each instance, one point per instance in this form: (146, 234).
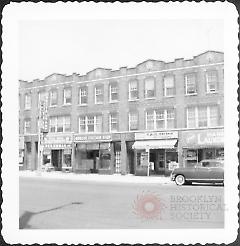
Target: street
(71, 204)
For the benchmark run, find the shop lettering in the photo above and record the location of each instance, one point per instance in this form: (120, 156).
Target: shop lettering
(209, 140)
(92, 138)
(156, 135)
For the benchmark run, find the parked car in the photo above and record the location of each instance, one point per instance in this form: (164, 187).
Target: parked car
(206, 171)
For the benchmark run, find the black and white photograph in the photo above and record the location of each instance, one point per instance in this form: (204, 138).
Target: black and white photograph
(120, 123)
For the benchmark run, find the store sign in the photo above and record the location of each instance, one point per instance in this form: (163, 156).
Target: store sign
(94, 138)
(58, 146)
(43, 116)
(209, 137)
(58, 139)
(156, 135)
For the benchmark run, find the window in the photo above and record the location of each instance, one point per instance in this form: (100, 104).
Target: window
(113, 92)
(27, 126)
(42, 96)
(60, 124)
(133, 90)
(67, 96)
(53, 98)
(113, 122)
(169, 86)
(27, 101)
(190, 84)
(83, 95)
(99, 94)
(133, 121)
(204, 116)
(149, 88)
(160, 119)
(211, 79)
(91, 123)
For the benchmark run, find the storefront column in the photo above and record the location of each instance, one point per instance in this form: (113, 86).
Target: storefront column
(73, 157)
(123, 157)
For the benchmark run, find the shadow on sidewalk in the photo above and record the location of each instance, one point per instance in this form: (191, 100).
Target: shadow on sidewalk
(25, 218)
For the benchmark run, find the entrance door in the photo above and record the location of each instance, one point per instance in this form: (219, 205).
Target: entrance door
(161, 161)
(57, 159)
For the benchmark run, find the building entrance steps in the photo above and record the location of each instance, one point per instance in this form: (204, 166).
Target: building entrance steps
(128, 178)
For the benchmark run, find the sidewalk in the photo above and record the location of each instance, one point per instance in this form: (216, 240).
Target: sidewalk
(129, 178)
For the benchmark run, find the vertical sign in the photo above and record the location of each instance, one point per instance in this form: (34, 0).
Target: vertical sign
(43, 116)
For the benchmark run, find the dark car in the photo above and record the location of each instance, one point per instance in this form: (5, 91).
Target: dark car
(206, 171)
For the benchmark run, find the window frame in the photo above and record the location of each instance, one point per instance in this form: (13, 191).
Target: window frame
(56, 125)
(110, 122)
(27, 101)
(129, 120)
(115, 84)
(85, 118)
(95, 93)
(209, 91)
(154, 88)
(186, 84)
(165, 87)
(64, 96)
(51, 98)
(27, 127)
(80, 96)
(130, 90)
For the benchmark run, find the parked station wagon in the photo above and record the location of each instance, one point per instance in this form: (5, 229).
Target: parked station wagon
(206, 171)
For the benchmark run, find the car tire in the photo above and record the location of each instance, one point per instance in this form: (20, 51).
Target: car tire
(180, 180)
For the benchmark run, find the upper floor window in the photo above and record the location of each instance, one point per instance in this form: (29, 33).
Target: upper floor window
(149, 87)
(83, 93)
(169, 86)
(90, 123)
(99, 94)
(27, 126)
(160, 119)
(53, 98)
(203, 116)
(42, 96)
(60, 124)
(27, 101)
(211, 80)
(133, 121)
(190, 84)
(67, 96)
(133, 90)
(113, 122)
(113, 88)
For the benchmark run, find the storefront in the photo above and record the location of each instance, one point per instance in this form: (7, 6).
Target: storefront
(94, 153)
(156, 149)
(202, 144)
(21, 152)
(57, 151)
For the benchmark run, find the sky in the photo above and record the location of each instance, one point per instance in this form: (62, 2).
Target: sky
(79, 46)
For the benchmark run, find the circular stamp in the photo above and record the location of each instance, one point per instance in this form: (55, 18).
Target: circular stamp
(148, 205)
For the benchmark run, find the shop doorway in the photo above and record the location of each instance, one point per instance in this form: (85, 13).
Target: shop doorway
(94, 156)
(57, 159)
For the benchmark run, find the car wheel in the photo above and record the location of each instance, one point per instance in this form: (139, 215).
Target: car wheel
(180, 180)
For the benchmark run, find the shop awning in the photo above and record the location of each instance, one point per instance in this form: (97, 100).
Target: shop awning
(155, 144)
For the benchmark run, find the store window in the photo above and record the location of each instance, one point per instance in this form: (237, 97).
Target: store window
(60, 124)
(53, 97)
(204, 116)
(90, 123)
(27, 101)
(211, 80)
(149, 87)
(83, 92)
(160, 119)
(113, 88)
(133, 121)
(98, 94)
(27, 126)
(113, 122)
(190, 84)
(169, 86)
(133, 90)
(67, 96)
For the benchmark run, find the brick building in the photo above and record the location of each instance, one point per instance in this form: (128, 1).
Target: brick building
(115, 121)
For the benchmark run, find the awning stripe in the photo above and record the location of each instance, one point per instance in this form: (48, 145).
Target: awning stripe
(155, 144)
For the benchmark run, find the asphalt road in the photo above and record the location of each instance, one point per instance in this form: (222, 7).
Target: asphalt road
(61, 204)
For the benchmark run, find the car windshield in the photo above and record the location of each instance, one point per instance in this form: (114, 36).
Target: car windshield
(210, 163)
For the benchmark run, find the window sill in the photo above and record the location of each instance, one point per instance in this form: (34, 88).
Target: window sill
(82, 105)
(212, 92)
(100, 103)
(192, 94)
(150, 98)
(52, 106)
(133, 100)
(114, 101)
(172, 96)
(67, 104)
(27, 109)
